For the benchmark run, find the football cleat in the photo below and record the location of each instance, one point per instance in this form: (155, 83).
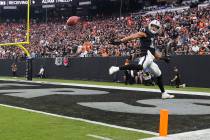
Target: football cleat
(165, 95)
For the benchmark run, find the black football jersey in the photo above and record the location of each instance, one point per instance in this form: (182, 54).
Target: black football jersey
(147, 43)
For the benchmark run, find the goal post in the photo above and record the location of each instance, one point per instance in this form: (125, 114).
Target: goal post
(26, 42)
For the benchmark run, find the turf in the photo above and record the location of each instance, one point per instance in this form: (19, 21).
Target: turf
(196, 89)
(24, 125)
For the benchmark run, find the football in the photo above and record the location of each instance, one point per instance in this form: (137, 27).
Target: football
(73, 20)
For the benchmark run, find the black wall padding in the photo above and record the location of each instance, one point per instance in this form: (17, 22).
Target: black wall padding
(194, 70)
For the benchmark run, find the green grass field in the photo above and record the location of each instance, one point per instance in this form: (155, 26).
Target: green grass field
(24, 125)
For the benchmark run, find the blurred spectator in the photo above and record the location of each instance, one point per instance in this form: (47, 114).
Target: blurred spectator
(184, 32)
(14, 69)
(41, 73)
(138, 77)
(177, 79)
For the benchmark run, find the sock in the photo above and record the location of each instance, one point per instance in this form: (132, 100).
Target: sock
(160, 84)
(131, 67)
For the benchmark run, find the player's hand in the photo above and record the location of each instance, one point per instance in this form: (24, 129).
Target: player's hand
(115, 42)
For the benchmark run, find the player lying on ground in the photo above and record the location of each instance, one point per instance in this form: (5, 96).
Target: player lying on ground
(147, 55)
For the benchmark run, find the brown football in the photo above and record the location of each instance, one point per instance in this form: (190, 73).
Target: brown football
(73, 20)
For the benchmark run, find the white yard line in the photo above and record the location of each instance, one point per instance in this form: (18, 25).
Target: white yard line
(80, 119)
(98, 137)
(193, 135)
(113, 87)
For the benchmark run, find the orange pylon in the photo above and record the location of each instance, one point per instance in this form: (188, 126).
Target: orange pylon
(163, 130)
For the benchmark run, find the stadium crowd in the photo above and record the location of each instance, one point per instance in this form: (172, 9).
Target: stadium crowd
(184, 32)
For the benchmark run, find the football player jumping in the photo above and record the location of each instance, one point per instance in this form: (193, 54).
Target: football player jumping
(147, 55)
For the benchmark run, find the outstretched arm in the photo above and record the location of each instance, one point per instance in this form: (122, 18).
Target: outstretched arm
(133, 36)
(128, 38)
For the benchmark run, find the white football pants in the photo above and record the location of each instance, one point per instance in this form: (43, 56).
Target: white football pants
(148, 63)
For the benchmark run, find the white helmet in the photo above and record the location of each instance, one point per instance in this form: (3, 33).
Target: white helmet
(155, 23)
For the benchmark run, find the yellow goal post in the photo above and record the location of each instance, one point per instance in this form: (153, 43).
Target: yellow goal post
(27, 41)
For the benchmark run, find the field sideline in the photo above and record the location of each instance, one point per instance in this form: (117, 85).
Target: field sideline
(194, 89)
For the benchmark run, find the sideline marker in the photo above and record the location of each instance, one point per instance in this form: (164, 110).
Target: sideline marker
(163, 130)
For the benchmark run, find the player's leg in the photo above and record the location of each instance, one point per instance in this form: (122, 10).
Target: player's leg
(114, 69)
(153, 67)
